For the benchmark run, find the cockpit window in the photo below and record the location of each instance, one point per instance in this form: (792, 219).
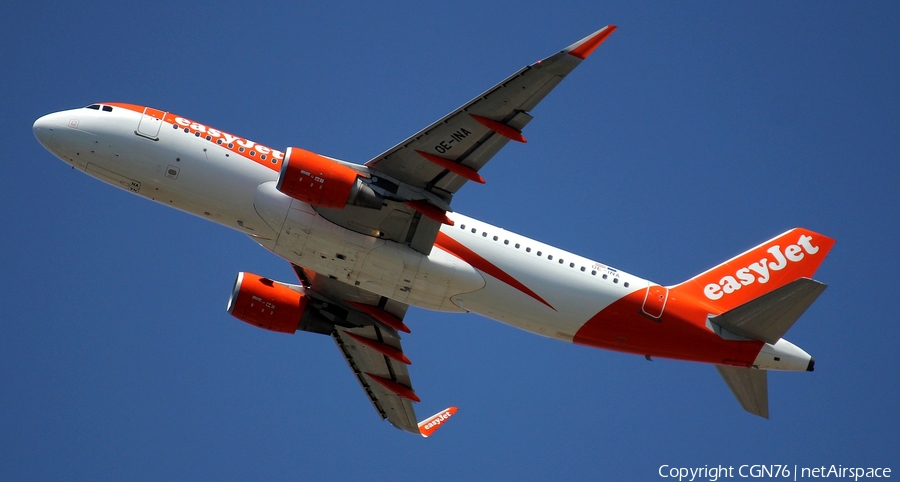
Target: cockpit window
(107, 108)
(93, 106)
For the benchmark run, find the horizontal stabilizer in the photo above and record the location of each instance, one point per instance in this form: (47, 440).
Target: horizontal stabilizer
(769, 317)
(749, 386)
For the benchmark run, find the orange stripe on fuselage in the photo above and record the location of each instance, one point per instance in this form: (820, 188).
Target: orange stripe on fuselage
(680, 333)
(237, 145)
(457, 249)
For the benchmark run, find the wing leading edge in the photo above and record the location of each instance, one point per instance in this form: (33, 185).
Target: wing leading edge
(445, 155)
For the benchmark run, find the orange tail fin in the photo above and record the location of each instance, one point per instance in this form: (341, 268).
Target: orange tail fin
(769, 266)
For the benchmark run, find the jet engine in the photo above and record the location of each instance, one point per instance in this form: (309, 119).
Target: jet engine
(276, 306)
(265, 303)
(320, 181)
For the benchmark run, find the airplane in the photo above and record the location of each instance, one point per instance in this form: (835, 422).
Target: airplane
(368, 241)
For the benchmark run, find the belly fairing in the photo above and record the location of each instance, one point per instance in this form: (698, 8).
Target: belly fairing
(383, 267)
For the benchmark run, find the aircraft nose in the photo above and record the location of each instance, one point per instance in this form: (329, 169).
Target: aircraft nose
(43, 130)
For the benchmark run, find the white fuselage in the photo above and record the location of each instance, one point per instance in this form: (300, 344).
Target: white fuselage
(493, 272)
(209, 180)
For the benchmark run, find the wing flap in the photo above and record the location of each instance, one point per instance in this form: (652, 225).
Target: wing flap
(364, 360)
(371, 348)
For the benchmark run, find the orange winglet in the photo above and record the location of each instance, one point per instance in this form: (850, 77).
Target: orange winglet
(454, 167)
(500, 128)
(382, 316)
(591, 43)
(434, 422)
(398, 388)
(430, 211)
(383, 348)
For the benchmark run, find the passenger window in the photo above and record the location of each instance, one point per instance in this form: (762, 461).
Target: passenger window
(626, 284)
(582, 268)
(474, 230)
(484, 234)
(517, 245)
(550, 256)
(462, 226)
(527, 250)
(604, 276)
(495, 238)
(593, 272)
(538, 253)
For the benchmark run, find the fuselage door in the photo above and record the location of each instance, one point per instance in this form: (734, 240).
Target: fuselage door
(151, 121)
(655, 301)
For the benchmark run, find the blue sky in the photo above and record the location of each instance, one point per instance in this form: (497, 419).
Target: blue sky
(695, 132)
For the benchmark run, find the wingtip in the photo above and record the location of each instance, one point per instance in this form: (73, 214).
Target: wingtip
(434, 422)
(584, 47)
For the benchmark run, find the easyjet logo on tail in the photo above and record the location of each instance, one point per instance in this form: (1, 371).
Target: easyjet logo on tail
(762, 270)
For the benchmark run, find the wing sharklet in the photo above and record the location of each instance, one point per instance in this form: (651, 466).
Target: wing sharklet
(434, 422)
(584, 47)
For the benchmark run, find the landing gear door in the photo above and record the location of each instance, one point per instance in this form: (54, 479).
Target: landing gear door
(151, 121)
(655, 301)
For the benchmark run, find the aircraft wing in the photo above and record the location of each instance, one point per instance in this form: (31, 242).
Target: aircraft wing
(369, 343)
(367, 364)
(429, 167)
(449, 152)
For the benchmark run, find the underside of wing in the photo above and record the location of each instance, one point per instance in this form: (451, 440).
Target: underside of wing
(384, 379)
(366, 331)
(448, 153)
(418, 177)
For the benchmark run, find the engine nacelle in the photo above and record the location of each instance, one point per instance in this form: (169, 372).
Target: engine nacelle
(265, 303)
(320, 181)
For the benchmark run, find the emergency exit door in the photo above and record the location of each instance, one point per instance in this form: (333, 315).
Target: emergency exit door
(655, 301)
